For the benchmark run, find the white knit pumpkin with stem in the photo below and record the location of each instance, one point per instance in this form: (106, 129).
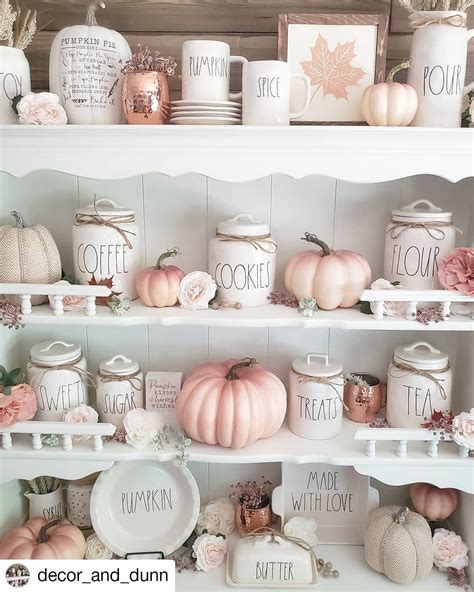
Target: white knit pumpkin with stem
(28, 255)
(398, 544)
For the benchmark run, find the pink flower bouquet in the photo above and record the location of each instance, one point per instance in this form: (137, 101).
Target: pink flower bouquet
(20, 405)
(456, 272)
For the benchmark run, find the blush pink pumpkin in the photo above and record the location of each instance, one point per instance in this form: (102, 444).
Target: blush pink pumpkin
(158, 286)
(433, 502)
(43, 539)
(390, 103)
(333, 278)
(233, 403)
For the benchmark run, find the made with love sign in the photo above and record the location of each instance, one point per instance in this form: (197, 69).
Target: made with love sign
(338, 498)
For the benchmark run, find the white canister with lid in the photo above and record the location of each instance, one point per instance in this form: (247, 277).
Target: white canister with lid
(416, 242)
(242, 259)
(419, 382)
(119, 389)
(106, 246)
(315, 405)
(58, 373)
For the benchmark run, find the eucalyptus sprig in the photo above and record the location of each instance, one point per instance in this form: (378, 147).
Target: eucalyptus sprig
(9, 379)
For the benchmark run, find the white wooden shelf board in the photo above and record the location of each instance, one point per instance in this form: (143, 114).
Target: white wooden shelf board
(448, 469)
(355, 576)
(359, 154)
(266, 316)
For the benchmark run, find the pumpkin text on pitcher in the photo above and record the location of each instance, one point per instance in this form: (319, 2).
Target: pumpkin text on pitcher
(418, 401)
(65, 396)
(214, 66)
(315, 409)
(415, 261)
(442, 79)
(147, 500)
(119, 403)
(105, 260)
(248, 276)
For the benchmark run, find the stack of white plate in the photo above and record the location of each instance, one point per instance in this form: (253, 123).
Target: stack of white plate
(206, 113)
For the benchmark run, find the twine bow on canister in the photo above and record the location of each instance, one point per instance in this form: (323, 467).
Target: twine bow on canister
(110, 221)
(263, 242)
(84, 375)
(398, 228)
(325, 380)
(430, 374)
(274, 534)
(132, 378)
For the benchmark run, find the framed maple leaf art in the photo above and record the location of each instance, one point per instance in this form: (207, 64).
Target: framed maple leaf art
(342, 54)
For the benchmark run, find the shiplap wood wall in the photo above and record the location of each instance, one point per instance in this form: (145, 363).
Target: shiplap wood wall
(249, 26)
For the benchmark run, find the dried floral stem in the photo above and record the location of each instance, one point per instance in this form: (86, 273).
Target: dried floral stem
(144, 61)
(42, 485)
(16, 27)
(251, 494)
(433, 5)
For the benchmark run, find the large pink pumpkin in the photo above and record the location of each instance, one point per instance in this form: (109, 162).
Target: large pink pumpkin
(333, 278)
(233, 403)
(43, 539)
(433, 502)
(159, 285)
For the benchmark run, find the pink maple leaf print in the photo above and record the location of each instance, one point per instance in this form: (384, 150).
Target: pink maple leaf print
(332, 70)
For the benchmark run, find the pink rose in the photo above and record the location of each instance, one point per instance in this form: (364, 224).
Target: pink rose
(449, 550)
(391, 308)
(69, 302)
(463, 429)
(456, 271)
(41, 109)
(196, 290)
(20, 405)
(81, 414)
(210, 551)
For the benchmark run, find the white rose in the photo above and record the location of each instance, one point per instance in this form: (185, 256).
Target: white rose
(390, 308)
(141, 427)
(41, 109)
(463, 429)
(449, 550)
(196, 290)
(69, 302)
(217, 517)
(302, 528)
(209, 551)
(81, 414)
(95, 549)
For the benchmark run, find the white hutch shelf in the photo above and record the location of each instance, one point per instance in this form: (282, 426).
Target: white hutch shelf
(357, 154)
(258, 317)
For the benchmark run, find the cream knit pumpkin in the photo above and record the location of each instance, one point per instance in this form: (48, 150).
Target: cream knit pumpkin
(28, 255)
(398, 544)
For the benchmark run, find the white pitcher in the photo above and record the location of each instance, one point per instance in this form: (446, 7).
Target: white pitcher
(438, 66)
(47, 505)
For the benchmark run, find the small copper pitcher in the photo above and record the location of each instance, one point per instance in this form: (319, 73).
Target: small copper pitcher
(363, 402)
(247, 519)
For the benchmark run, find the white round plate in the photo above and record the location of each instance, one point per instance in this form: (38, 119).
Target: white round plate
(207, 103)
(205, 121)
(144, 506)
(204, 108)
(205, 114)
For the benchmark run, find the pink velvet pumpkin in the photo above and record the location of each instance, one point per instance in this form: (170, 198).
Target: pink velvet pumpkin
(158, 286)
(43, 539)
(433, 502)
(333, 278)
(233, 403)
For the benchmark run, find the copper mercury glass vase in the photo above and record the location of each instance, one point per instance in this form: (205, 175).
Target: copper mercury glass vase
(363, 402)
(248, 519)
(146, 97)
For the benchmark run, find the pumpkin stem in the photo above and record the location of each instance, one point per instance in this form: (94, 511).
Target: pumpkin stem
(247, 363)
(171, 253)
(402, 515)
(20, 223)
(43, 534)
(403, 66)
(312, 238)
(91, 20)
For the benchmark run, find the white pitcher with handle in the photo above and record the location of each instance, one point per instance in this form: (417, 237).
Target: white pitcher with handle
(438, 66)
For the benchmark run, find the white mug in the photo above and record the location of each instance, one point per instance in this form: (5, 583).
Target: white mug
(266, 93)
(206, 71)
